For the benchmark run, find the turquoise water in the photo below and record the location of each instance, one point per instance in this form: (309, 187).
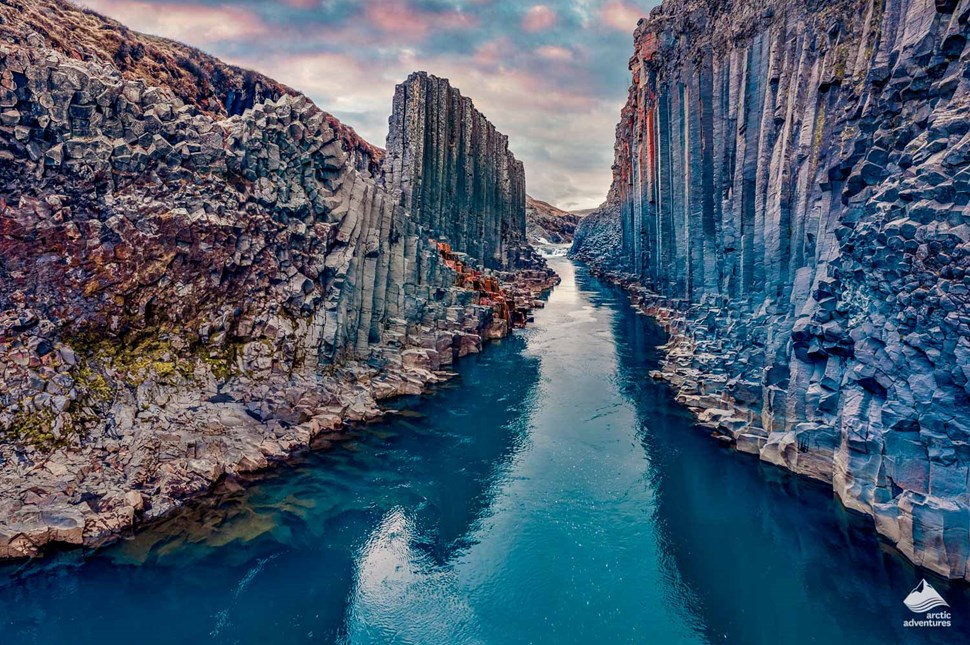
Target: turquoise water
(552, 493)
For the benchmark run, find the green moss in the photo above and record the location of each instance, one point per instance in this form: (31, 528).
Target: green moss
(85, 343)
(134, 358)
(878, 9)
(220, 366)
(221, 361)
(841, 60)
(93, 383)
(875, 33)
(153, 355)
(35, 429)
(150, 354)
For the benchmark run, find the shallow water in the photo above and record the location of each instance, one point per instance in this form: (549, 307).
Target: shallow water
(552, 493)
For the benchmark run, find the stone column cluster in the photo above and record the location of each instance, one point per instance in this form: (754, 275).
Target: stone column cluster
(454, 172)
(792, 183)
(187, 293)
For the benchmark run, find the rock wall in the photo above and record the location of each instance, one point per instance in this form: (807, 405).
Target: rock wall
(599, 240)
(792, 181)
(455, 173)
(186, 294)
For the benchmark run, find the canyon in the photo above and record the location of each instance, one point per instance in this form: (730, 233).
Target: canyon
(790, 199)
(202, 273)
(552, 490)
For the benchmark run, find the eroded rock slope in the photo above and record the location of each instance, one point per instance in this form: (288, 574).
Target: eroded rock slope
(791, 187)
(188, 290)
(545, 224)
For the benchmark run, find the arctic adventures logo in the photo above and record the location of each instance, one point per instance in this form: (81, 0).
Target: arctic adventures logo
(923, 600)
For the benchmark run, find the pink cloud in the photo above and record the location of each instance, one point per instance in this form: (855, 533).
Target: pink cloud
(350, 68)
(194, 24)
(552, 52)
(621, 16)
(539, 18)
(413, 24)
(492, 53)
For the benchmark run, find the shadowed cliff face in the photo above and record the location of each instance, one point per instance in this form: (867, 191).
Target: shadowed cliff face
(187, 292)
(792, 178)
(455, 172)
(599, 240)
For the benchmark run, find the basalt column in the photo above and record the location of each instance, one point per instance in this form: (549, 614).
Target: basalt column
(194, 285)
(792, 180)
(454, 172)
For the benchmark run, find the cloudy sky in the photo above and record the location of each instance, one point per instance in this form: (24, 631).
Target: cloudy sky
(552, 76)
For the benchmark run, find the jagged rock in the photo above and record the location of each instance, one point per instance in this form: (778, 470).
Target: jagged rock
(546, 224)
(599, 239)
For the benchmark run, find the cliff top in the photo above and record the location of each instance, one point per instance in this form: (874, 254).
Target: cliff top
(719, 23)
(428, 77)
(214, 87)
(548, 210)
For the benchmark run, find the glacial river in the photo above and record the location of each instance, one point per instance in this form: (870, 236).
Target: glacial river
(552, 493)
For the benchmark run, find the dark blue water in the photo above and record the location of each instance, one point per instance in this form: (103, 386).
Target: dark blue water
(553, 493)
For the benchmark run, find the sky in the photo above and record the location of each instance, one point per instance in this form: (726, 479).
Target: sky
(552, 75)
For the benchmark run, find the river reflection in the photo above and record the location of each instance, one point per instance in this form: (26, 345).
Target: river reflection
(768, 556)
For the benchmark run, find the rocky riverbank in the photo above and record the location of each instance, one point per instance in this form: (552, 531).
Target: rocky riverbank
(700, 365)
(200, 278)
(180, 431)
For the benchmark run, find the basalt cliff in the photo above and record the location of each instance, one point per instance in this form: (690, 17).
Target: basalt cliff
(201, 272)
(790, 197)
(455, 172)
